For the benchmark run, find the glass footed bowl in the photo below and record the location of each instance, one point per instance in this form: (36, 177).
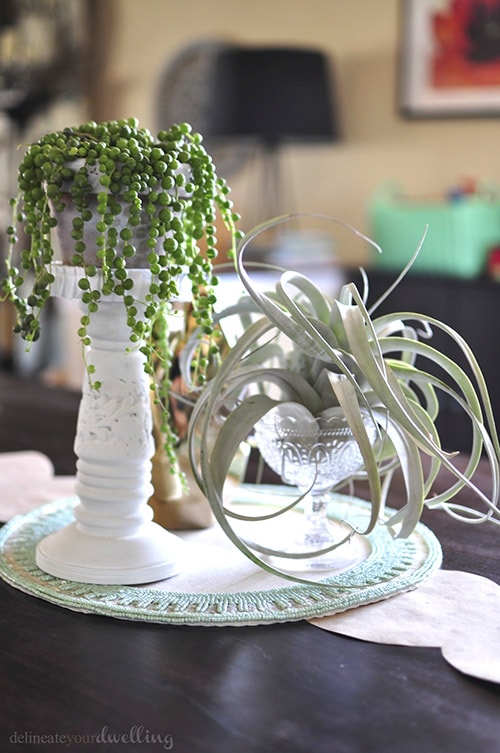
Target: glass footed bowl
(313, 454)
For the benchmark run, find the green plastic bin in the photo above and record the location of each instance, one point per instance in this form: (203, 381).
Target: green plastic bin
(461, 233)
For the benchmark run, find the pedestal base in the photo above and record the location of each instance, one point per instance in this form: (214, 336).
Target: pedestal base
(149, 555)
(113, 540)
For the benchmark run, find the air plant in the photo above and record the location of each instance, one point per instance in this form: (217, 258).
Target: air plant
(322, 353)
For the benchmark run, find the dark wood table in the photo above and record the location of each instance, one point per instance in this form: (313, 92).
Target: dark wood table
(271, 689)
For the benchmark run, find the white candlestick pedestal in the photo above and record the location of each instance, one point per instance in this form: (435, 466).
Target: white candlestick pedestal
(113, 539)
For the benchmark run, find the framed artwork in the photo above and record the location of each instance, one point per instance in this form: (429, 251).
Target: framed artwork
(450, 58)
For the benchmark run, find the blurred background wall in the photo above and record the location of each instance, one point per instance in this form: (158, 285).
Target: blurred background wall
(117, 58)
(425, 157)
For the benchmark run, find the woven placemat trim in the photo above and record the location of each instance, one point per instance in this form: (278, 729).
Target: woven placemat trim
(391, 567)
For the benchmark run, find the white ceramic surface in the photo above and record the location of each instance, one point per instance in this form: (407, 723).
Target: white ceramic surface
(113, 539)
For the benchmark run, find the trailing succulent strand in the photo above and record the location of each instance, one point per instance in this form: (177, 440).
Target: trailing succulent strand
(141, 201)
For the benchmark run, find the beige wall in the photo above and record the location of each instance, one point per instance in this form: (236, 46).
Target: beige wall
(362, 37)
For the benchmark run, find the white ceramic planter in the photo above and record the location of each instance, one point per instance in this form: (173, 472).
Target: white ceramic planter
(121, 221)
(113, 539)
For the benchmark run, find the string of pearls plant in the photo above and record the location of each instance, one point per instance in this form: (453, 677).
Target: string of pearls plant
(128, 200)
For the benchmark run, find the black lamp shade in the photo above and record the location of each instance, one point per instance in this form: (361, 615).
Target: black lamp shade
(274, 94)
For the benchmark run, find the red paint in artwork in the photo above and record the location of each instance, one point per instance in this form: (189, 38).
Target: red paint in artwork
(467, 44)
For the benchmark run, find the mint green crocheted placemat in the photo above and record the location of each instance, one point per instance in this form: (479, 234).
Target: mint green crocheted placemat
(222, 586)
